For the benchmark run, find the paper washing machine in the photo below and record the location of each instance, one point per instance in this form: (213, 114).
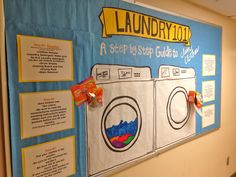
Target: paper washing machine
(175, 117)
(122, 129)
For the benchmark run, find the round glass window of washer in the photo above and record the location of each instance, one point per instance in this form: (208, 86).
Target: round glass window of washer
(178, 108)
(121, 123)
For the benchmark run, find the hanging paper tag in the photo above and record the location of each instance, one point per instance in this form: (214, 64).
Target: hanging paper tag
(79, 91)
(197, 110)
(87, 91)
(95, 97)
(191, 96)
(196, 99)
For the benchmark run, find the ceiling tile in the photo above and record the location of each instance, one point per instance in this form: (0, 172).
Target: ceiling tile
(225, 7)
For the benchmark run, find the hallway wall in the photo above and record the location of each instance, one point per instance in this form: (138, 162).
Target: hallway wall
(2, 155)
(207, 155)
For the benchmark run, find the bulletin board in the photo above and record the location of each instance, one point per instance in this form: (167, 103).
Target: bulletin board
(146, 62)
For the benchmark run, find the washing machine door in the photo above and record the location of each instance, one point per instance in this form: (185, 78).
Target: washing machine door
(121, 136)
(175, 118)
(122, 129)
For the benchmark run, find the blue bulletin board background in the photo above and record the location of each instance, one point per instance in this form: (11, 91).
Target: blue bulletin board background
(78, 20)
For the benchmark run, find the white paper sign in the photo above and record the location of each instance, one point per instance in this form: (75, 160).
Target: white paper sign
(208, 115)
(44, 59)
(45, 112)
(208, 65)
(208, 91)
(54, 159)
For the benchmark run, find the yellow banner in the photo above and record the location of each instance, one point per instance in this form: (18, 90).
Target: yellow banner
(124, 22)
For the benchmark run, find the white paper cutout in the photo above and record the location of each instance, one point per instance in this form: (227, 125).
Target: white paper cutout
(175, 118)
(208, 65)
(136, 107)
(122, 129)
(208, 91)
(208, 115)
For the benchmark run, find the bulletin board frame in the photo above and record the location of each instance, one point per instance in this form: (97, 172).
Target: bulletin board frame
(4, 94)
(155, 152)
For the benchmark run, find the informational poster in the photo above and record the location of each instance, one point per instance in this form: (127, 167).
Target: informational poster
(44, 59)
(208, 115)
(46, 112)
(208, 90)
(146, 62)
(56, 159)
(209, 65)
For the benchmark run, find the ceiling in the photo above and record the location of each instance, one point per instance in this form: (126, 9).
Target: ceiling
(225, 7)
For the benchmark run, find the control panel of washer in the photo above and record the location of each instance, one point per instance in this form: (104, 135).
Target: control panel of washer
(113, 73)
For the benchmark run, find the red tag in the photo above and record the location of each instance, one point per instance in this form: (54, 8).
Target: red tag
(195, 98)
(191, 96)
(80, 90)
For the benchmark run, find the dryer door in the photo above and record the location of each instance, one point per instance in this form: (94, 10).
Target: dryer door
(175, 118)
